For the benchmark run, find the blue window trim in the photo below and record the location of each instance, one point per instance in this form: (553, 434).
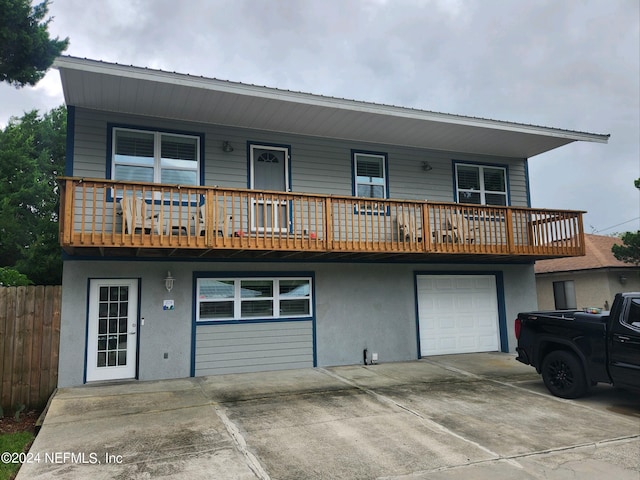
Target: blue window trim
(500, 294)
(526, 179)
(354, 182)
(109, 162)
(71, 139)
(454, 163)
(244, 274)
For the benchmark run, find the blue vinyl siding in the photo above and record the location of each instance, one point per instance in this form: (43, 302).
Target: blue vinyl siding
(317, 165)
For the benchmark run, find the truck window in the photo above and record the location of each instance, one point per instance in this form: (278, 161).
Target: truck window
(633, 319)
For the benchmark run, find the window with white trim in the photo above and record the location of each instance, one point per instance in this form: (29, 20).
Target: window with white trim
(220, 299)
(481, 185)
(370, 175)
(157, 157)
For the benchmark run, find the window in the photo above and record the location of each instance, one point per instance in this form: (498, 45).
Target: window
(144, 156)
(481, 185)
(564, 294)
(221, 299)
(633, 318)
(370, 175)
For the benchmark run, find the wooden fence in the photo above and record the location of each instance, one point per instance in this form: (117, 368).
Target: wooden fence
(29, 342)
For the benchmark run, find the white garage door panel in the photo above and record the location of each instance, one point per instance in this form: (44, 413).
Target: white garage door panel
(457, 314)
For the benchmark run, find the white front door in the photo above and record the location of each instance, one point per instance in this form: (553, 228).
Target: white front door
(269, 168)
(457, 314)
(112, 329)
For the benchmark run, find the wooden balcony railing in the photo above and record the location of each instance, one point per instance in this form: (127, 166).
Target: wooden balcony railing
(109, 214)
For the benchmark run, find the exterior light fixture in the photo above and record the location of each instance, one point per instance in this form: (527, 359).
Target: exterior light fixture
(426, 166)
(622, 279)
(168, 282)
(226, 147)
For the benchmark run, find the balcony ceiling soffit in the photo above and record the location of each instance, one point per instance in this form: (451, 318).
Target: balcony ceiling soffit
(132, 90)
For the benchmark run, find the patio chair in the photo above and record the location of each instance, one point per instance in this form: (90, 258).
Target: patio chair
(221, 223)
(407, 229)
(135, 216)
(467, 230)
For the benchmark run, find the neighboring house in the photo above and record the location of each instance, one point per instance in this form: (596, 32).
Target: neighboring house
(214, 227)
(588, 281)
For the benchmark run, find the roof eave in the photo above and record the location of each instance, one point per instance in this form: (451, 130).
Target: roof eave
(553, 137)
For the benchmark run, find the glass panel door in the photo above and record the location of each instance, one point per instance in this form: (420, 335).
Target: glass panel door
(112, 329)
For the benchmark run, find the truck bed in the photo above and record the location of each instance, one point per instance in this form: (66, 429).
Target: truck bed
(544, 331)
(573, 349)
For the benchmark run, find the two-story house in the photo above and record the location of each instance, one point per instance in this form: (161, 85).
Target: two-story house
(214, 227)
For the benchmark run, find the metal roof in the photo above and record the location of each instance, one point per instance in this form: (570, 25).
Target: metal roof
(141, 91)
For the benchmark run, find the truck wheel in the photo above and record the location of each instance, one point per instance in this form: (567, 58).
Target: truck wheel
(563, 374)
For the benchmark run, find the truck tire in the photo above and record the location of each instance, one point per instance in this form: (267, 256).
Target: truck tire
(564, 375)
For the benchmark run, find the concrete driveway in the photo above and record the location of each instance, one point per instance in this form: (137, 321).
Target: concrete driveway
(476, 416)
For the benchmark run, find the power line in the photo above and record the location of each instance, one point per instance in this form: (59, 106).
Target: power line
(617, 225)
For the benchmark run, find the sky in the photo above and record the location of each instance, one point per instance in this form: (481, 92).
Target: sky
(570, 64)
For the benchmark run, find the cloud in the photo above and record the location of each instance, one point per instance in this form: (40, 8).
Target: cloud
(572, 64)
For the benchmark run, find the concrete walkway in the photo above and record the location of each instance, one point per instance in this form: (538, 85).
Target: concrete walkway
(476, 416)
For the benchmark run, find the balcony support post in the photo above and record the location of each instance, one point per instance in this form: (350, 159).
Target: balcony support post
(328, 224)
(510, 232)
(209, 220)
(69, 211)
(426, 227)
(581, 248)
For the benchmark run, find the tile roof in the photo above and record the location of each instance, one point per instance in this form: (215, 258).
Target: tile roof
(598, 255)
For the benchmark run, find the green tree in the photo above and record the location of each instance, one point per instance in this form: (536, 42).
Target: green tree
(637, 183)
(32, 151)
(12, 278)
(629, 251)
(26, 51)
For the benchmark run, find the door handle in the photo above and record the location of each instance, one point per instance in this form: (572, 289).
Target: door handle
(622, 338)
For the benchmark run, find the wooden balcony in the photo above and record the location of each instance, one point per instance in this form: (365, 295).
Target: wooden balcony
(109, 218)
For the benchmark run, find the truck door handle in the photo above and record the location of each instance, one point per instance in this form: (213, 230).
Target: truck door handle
(622, 338)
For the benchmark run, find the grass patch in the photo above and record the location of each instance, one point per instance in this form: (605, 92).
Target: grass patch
(13, 443)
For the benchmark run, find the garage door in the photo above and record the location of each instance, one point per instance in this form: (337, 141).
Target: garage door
(457, 314)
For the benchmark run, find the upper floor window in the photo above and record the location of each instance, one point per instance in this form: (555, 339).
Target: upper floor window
(144, 156)
(481, 185)
(370, 174)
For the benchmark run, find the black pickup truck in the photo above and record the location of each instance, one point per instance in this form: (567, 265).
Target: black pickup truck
(574, 350)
